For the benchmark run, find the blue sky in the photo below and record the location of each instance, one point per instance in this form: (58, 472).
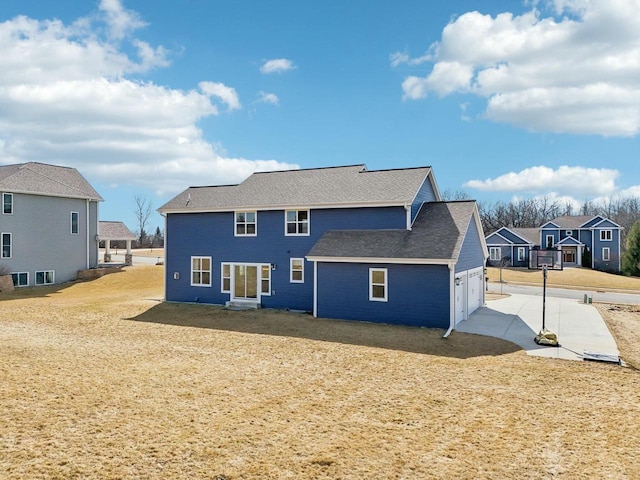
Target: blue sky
(504, 99)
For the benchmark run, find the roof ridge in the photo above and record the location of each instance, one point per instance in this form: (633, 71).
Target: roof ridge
(310, 168)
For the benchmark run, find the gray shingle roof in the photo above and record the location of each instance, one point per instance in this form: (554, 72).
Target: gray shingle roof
(437, 234)
(571, 221)
(42, 179)
(530, 234)
(108, 230)
(349, 185)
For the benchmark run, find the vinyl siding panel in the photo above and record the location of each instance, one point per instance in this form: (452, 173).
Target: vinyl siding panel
(42, 239)
(471, 255)
(418, 295)
(425, 194)
(212, 234)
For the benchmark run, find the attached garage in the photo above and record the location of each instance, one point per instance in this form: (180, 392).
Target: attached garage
(469, 293)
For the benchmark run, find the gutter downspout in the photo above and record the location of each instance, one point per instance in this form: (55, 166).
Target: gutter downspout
(88, 235)
(452, 301)
(315, 289)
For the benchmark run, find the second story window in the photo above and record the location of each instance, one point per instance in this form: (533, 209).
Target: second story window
(74, 223)
(606, 235)
(7, 203)
(246, 224)
(297, 222)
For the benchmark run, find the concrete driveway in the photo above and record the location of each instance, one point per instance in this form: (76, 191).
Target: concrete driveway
(518, 319)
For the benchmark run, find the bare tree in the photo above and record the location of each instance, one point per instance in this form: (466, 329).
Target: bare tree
(143, 211)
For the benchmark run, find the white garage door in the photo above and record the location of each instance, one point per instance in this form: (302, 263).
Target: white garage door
(474, 290)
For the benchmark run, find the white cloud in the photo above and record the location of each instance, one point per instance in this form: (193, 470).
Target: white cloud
(66, 98)
(271, 98)
(227, 94)
(120, 21)
(575, 70)
(567, 181)
(277, 65)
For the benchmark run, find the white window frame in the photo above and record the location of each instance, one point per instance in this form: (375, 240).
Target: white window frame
(546, 241)
(297, 223)
(245, 223)
(223, 277)
(200, 270)
(492, 250)
(606, 254)
(9, 195)
(77, 215)
(569, 233)
(606, 233)
(2, 244)
(522, 254)
(265, 281)
(45, 273)
(18, 284)
(385, 285)
(293, 269)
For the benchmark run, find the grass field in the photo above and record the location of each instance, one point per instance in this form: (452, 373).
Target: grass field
(580, 278)
(100, 380)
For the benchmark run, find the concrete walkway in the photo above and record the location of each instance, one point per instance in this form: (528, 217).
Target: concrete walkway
(518, 318)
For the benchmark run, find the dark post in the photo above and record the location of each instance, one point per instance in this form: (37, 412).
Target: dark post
(544, 292)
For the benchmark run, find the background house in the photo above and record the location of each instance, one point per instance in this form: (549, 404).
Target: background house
(48, 223)
(583, 240)
(341, 242)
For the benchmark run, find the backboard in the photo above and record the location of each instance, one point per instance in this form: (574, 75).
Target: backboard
(551, 258)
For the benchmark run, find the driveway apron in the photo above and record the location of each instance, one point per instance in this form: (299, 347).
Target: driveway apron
(518, 319)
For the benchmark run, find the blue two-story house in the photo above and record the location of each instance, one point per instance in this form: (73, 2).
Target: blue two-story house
(584, 240)
(340, 242)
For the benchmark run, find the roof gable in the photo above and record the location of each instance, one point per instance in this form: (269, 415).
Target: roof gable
(49, 180)
(114, 231)
(569, 241)
(352, 185)
(497, 239)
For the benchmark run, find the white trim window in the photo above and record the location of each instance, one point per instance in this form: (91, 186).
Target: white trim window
(569, 233)
(265, 279)
(522, 255)
(296, 222)
(378, 285)
(495, 253)
(606, 235)
(246, 224)
(75, 223)
(20, 279)
(200, 271)
(549, 241)
(7, 203)
(296, 274)
(606, 254)
(6, 245)
(225, 278)
(45, 277)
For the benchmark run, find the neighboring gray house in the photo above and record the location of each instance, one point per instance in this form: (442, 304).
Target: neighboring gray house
(48, 223)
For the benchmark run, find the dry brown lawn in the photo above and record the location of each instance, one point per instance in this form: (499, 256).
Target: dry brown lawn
(580, 278)
(101, 380)
(624, 324)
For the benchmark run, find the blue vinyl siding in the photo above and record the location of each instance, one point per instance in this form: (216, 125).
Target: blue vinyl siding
(425, 194)
(212, 235)
(471, 252)
(418, 295)
(612, 265)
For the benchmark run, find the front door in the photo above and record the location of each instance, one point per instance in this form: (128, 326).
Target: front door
(245, 284)
(569, 255)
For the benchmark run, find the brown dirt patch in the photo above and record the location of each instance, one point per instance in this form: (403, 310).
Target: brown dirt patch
(624, 323)
(101, 380)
